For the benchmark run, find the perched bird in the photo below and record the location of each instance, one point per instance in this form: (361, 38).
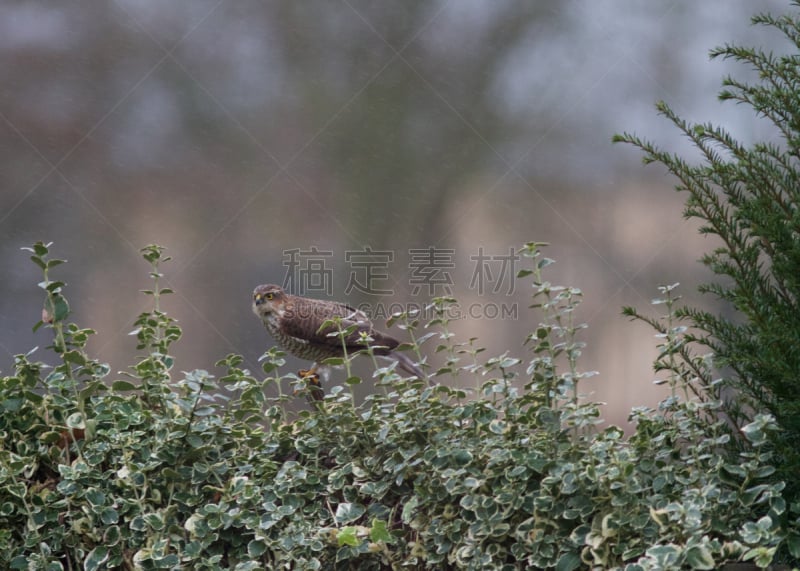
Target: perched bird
(295, 322)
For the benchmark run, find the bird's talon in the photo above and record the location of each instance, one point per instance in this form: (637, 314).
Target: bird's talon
(309, 375)
(313, 387)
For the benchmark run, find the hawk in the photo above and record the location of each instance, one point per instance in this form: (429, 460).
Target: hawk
(295, 323)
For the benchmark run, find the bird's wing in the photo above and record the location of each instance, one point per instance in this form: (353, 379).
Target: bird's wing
(305, 322)
(306, 318)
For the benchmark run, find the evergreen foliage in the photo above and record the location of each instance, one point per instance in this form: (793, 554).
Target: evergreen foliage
(748, 196)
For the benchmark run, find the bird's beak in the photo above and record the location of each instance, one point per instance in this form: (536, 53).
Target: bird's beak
(259, 299)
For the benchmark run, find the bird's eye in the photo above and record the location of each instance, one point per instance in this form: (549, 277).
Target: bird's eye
(269, 295)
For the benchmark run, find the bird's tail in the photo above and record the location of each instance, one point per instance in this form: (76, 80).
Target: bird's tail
(405, 363)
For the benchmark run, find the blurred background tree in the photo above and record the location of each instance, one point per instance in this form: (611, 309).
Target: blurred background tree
(234, 131)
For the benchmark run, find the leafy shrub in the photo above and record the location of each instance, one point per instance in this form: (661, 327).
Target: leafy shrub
(154, 470)
(748, 196)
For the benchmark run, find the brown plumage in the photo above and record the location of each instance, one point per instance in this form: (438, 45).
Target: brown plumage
(295, 322)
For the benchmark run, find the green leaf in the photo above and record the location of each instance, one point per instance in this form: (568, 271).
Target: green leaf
(169, 561)
(793, 543)
(12, 404)
(462, 456)
(699, 557)
(138, 524)
(763, 556)
(544, 262)
(155, 521)
(75, 357)
(53, 287)
(568, 562)
(497, 426)
(112, 535)
(60, 308)
(204, 411)
(50, 437)
(379, 532)
(16, 489)
(95, 497)
(471, 482)
(109, 516)
(410, 508)
(347, 512)
(39, 262)
(40, 248)
(347, 536)
(123, 386)
(256, 548)
(194, 441)
(96, 557)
